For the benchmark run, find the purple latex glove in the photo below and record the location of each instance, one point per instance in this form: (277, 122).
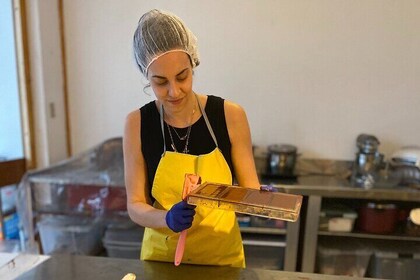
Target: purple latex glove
(180, 216)
(268, 188)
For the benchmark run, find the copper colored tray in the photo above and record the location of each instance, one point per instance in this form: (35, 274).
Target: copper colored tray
(247, 201)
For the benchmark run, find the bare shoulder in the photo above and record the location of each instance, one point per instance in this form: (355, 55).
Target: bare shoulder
(132, 128)
(133, 117)
(234, 112)
(236, 121)
(132, 122)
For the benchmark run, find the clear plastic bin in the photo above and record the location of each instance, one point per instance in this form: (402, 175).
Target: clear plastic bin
(264, 251)
(343, 262)
(70, 234)
(123, 251)
(123, 241)
(391, 265)
(9, 246)
(264, 257)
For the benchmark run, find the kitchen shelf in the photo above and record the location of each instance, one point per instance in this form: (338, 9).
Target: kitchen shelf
(281, 245)
(263, 230)
(267, 240)
(321, 190)
(312, 232)
(370, 236)
(264, 243)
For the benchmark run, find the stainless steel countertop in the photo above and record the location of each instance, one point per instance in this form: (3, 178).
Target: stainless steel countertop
(330, 178)
(331, 186)
(72, 267)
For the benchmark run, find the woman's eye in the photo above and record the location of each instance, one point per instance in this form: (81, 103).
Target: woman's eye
(182, 77)
(161, 83)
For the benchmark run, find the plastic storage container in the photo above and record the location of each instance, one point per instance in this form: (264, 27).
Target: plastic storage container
(391, 265)
(264, 251)
(264, 257)
(342, 262)
(243, 220)
(76, 198)
(123, 241)
(378, 218)
(337, 218)
(266, 222)
(91, 198)
(70, 234)
(11, 226)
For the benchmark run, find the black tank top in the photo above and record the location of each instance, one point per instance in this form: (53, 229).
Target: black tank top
(200, 141)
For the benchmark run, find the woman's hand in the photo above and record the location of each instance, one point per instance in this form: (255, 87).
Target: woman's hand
(268, 188)
(180, 216)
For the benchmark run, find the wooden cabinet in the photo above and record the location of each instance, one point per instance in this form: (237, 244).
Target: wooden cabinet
(11, 171)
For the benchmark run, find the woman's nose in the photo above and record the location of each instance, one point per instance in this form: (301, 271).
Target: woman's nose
(173, 90)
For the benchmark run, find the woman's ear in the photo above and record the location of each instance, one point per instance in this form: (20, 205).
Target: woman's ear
(147, 86)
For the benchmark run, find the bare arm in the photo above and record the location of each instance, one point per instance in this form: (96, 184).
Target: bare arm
(138, 200)
(240, 137)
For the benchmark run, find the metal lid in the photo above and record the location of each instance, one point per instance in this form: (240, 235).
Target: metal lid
(374, 205)
(415, 216)
(282, 148)
(406, 156)
(367, 143)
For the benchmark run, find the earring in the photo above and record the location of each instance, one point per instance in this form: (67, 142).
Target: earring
(145, 88)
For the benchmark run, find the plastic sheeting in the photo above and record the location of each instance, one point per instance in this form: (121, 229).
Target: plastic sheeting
(89, 184)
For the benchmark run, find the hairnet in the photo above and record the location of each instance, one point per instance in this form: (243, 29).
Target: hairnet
(161, 32)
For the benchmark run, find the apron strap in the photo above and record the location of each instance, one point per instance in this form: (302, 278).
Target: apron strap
(163, 128)
(203, 112)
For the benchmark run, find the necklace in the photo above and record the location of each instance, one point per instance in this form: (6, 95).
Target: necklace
(179, 137)
(187, 136)
(183, 138)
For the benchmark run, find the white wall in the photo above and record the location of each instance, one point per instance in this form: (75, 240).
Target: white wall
(310, 73)
(46, 81)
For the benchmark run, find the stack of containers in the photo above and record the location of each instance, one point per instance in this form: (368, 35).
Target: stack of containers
(391, 265)
(123, 240)
(342, 261)
(70, 234)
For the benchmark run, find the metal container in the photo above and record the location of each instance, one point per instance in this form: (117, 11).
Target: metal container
(413, 223)
(281, 159)
(405, 165)
(367, 143)
(368, 161)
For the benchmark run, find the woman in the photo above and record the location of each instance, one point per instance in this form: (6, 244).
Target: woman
(182, 132)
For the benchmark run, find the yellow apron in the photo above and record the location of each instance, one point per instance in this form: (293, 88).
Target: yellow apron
(214, 237)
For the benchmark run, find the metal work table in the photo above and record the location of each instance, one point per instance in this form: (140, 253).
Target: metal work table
(329, 186)
(316, 187)
(72, 267)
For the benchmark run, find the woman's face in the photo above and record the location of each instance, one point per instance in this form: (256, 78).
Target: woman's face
(170, 77)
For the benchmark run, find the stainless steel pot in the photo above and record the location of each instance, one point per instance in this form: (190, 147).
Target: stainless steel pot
(281, 159)
(405, 165)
